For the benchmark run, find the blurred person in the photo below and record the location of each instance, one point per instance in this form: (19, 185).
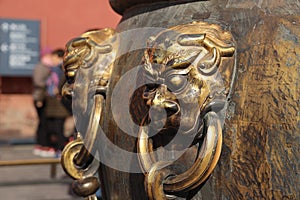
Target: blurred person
(56, 112)
(40, 75)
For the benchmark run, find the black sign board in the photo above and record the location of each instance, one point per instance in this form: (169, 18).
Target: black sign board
(19, 46)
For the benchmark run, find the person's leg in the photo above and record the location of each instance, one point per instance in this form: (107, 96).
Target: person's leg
(41, 130)
(47, 149)
(51, 140)
(61, 139)
(43, 135)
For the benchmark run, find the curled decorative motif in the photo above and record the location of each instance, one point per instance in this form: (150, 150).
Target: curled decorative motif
(161, 177)
(70, 160)
(94, 49)
(89, 56)
(187, 79)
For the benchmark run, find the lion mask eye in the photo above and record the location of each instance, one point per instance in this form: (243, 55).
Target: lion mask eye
(176, 83)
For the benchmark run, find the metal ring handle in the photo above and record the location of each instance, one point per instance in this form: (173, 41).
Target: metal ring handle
(77, 160)
(159, 174)
(84, 156)
(67, 161)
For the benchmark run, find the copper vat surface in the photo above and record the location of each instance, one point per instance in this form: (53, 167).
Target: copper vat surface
(260, 152)
(252, 46)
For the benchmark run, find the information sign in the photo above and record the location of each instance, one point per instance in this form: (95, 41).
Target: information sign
(19, 46)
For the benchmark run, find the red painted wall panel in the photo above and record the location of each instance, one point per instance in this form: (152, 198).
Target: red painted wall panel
(61, 20)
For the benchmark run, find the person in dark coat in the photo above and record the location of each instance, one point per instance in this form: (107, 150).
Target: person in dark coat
(40, 75)
(56, 112)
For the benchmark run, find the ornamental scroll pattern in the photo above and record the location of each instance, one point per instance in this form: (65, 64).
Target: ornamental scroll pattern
(88, 60)
(189, 70)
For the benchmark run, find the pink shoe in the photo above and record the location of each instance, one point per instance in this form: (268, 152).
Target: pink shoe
(48, 152)
(37, 150)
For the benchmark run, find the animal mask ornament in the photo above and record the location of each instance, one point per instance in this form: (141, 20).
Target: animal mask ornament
(188, 73)
(88, 64)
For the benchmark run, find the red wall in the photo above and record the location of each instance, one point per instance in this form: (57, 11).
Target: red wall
(61, 20)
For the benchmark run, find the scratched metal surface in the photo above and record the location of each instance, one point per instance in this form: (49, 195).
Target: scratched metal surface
(261, 149)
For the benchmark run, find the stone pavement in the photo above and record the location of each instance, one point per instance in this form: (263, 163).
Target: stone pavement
(31, 182)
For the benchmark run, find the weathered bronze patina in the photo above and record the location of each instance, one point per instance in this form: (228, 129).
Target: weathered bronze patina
(184, 65)
(191, 81)
(205, 51)
(260, 150)
(87, 59)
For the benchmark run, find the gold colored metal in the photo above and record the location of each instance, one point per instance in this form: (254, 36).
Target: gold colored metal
(206, 161)
(187, 63)
(90, 55)
(72, 160)
(193, 86)
(85, 186)
(84, 52)
(86, 55)
(90, 137)
(67, 160)
(157, 178)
